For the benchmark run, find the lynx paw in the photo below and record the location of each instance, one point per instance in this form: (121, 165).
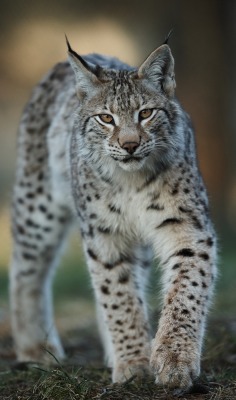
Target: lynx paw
(175, 366)
(43, 354)
(131, 368)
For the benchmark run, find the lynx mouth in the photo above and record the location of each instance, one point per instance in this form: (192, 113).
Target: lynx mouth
(131, 159)
(132, 163)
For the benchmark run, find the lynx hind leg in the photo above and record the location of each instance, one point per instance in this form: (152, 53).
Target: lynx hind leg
(39, 226)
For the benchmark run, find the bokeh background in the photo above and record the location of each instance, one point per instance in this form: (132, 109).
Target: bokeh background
(204, 47)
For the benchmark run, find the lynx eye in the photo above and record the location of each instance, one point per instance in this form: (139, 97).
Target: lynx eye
(106, 118)
(144, 114)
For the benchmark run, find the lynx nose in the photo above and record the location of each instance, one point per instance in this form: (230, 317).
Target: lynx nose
(130, 147)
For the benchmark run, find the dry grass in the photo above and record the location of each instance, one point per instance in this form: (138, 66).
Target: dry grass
(84, 377)
(66, 383)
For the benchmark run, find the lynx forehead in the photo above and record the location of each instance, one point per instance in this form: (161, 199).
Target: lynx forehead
(110, 146)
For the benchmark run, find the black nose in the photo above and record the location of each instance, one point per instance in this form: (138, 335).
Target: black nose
(130, 147)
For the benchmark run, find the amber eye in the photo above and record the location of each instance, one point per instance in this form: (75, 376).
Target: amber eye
(107, 118)
(144, 114)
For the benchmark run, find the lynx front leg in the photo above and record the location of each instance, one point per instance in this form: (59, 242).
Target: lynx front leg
(121, 307)
(188, 274)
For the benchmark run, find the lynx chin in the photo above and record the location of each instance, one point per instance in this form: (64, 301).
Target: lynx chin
(110, 147)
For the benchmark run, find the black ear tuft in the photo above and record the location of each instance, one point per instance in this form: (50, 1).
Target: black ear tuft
(68, 44)
(168, 36)
(85, 73)
(73, 53)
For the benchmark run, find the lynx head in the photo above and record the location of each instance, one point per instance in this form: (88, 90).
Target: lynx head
(128, 115)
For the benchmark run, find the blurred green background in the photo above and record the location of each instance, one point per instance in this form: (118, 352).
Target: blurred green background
(203, 44)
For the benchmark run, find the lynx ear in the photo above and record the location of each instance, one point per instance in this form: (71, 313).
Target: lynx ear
(158, 68)
(85, 73)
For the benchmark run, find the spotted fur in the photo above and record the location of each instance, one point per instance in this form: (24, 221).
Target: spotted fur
(134, 186)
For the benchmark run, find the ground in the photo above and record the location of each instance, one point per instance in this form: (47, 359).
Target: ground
(83, 375)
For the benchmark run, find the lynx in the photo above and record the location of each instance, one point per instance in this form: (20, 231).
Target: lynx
(110, 146)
